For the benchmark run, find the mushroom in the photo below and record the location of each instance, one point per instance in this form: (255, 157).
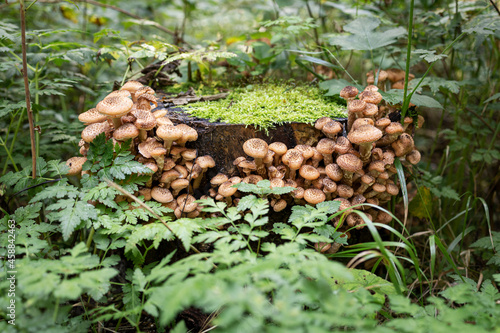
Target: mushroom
(279, 205)
(334, 172)
(403, 145)
(366, 181)
(279, 149)
(132, 86)
(204, 162)
(169, 176)
(153, 149)
(91, 131)
(91, 116)
(75, 165)
(413, 157)
(320, 122)
(392, 132)
(355, 110)
(169, 134)
(331, 129)
(188, 134)
(342, 146)
(153, 168)
(349, 163)
(257, 149)
(178, 185)
(365, 136)
(309, 173)
(326, 147)
(345, 191)
(314, 196)
(293, 159)
(161, 194)
(227, 190)
(125, 132)
(329, 187)
(349, 93)
(114, 108)
(145, 121)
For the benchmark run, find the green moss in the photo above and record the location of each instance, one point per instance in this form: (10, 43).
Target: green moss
(267, 105)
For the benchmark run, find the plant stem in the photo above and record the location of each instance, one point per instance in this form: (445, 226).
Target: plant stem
(27, 87)
(406, 100)
(9, 155)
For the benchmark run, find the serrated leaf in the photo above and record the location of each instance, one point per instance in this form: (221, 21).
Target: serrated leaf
(396, 96)
(429, 55)
(364, 36)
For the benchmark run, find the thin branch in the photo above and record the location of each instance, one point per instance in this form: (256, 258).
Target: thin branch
(27, 87)
(142, 204)
(495, 6)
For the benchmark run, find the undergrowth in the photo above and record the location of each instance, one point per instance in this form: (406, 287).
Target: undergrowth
(85, 261)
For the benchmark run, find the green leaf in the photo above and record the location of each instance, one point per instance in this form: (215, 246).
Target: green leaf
(364, 36)
(396, 96)
(429, 55)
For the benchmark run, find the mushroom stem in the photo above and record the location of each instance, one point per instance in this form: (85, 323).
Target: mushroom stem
(116, 122)
(198, 179)
(143, 135)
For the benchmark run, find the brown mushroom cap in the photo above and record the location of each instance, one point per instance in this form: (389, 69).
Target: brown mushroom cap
(252, 179)
(205, 162)
(144, 119)
(293, 159)
(371, 110)
(413, 157)
(75, 165)
(334, 172)
(218, 179)
(382, 123)
(143, 90)
(349, 92)
(403, 145)
(125, 131)
(373, 97)
(91, 131)
(226, 189)
(279, 205)
(145, 148)
(132, 86)
(188, 134)
(169, 176)
(279, 148)
(144, 101)
(161, 194)
(343, 145)
(277, 182)
(169, 133)
(364, 134)
(114, 106)
(179, 184)
(309, 172)
(345, 191)
(332, 128)
(255, 148)
(186, 202)
(356, 106)
(91, 116)
(325, 146)
(163, 121)
(371, 87)
(349, 162)
(320, 122)
(298, 193)
(314, 196)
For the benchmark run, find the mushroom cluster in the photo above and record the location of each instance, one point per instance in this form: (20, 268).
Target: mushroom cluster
(353, 169)
(352, 163)
(157, 143)
(394, 76)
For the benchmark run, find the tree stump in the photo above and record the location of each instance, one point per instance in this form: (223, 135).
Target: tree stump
(224, 142)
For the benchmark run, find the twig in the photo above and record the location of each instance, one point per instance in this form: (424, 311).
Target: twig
(142, 204)
(495, 6)
(27, 87)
